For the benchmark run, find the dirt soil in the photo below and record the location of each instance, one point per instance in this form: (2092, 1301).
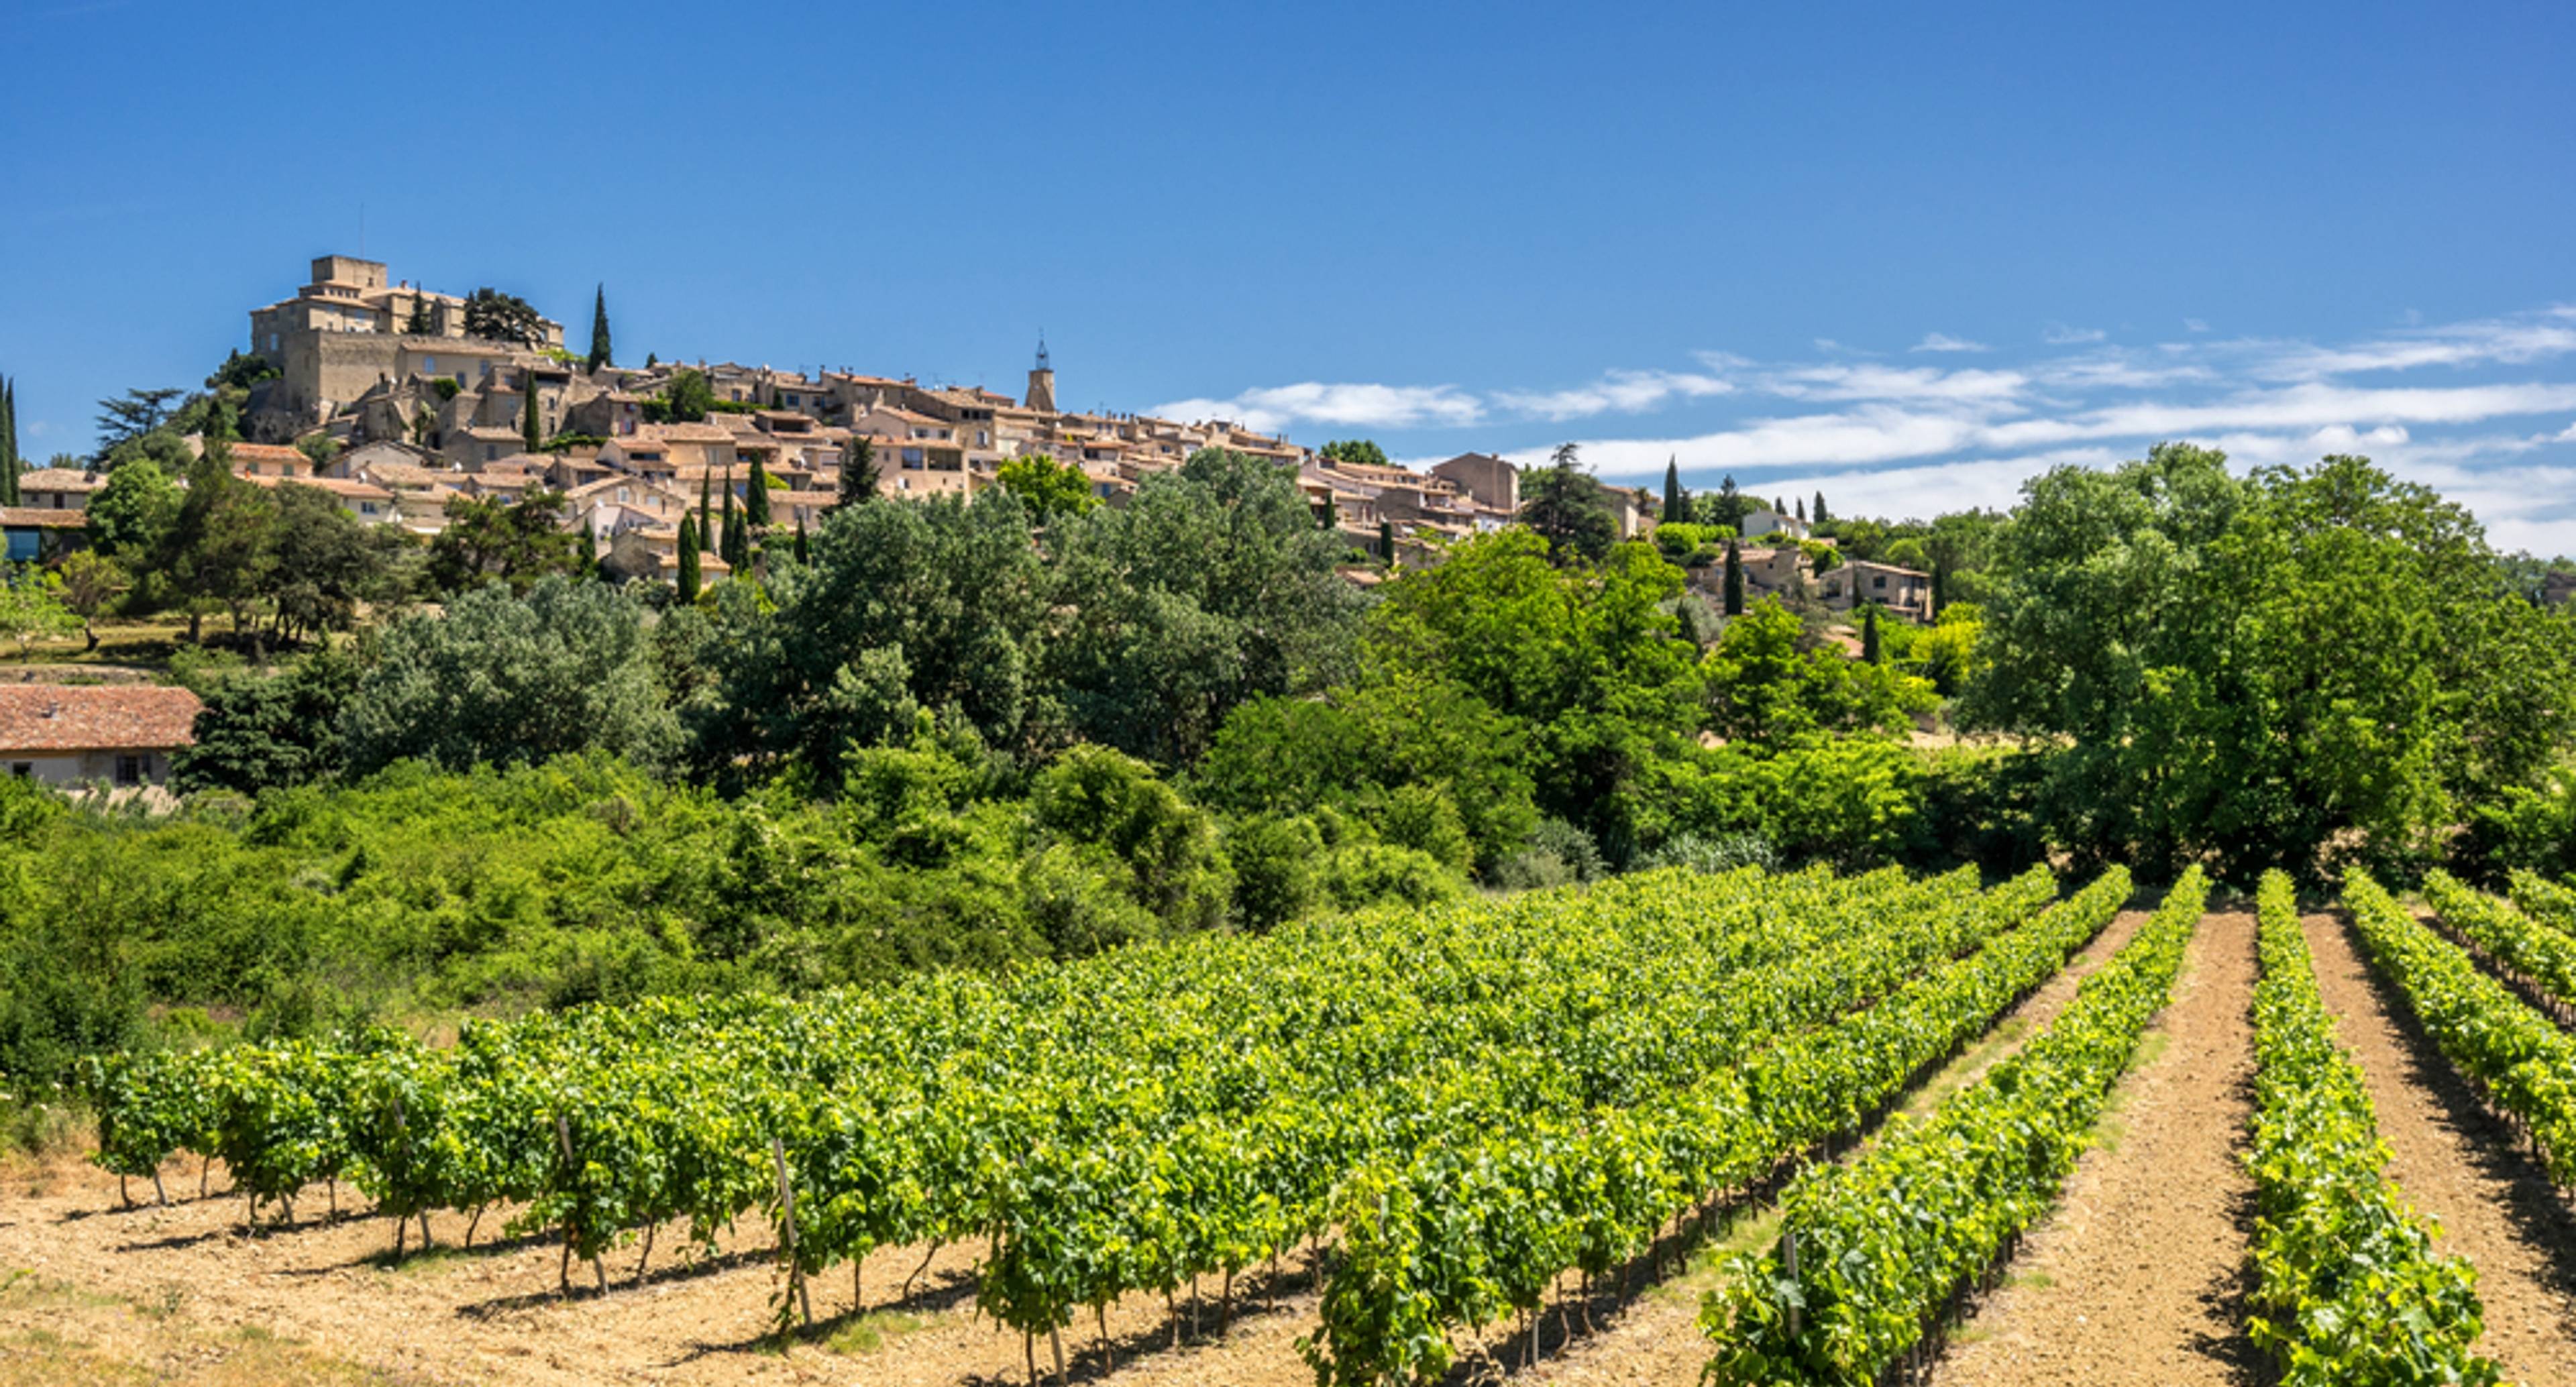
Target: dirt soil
(185, 1293)
(2137, 1277)
(2458, 1164)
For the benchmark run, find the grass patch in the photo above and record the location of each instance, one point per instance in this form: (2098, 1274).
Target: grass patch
(869, 1332)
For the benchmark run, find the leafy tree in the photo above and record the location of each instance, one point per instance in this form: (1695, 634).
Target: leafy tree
(1047, 487)
(690, 397)
(1768, 682)
(261, 733)
(131, 514)
(688, 577)
(90, 583)
(1208, 589)
(600, 353)
(1568, 508)
(488, 538)
(1677, 502)
(1734, 593)
(1274, 859)
(318, 449)
(1358, 452)
(327, 563)
(950, 595)
(859, 472)
(504, 679)
(132, 415)
(2273, 671)
(32, 608)
(498, 317)
(219, 550)
(1095, 797)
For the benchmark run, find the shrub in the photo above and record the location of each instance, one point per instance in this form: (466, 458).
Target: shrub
(1365, 874)
(1722, 852)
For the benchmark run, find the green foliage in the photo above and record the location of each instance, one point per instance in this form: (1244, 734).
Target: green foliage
(498, 317)
(1359, 452)
(1275, 861)
(602, 352)
(688, 576)
(2347, 1285)
(1093, 797)
(130, 417)
(2270, 671)
(32, 608)
(1767, 683)
(690, 397)
(504, 679)
(259, 733)
(490, 539)
(1047, 487)
(858, 481)
(1569, 509)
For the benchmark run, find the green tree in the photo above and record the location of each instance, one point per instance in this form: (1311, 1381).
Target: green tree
(502, 679)
(1209, 588)
(1568, 508)
(755, 499)
(691, 397)
(600, 354)
(90, 583)
(707, 537)
(1734, 593)
(132, 415)
(219, 549)
(1047, 487)
(859, 472)
(131, 514)
(2281, 670)
(1359, 452)
(1819, 515)
(498, 317)
(1769, 682)
(1869, 652)
(419, 323)
(732, 547)
(10, 465)
(802, 554)
(688, 546)
(1677, 502)
(261, 733)
(488, 538)
(328, 563)
(531, 432)
(31, 607)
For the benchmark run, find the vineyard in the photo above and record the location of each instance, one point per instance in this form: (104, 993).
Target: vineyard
(1828, 1116)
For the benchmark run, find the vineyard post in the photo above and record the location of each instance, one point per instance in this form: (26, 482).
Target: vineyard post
(787, 1227)
(1789, 1268)
(563, 1139)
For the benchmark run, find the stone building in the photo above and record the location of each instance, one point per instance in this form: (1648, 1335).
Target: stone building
(349, 330)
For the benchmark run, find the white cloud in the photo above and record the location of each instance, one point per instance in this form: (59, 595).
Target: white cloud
(2194, 325)
(1869, 381)
(2060, 335)
(1944, 342)
(1341, 404)
(1621, 392)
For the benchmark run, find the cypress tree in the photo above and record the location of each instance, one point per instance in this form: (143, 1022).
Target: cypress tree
(801, 556)
(599, 353)
(1734, 604)
(1386, 539)
(730, 547)
(1869, 634)
(755, 498)
(1940, 589)
(1676, 501)
(1820, 516)
(859, 472)
(589, 549)
(706, 536)
(8, 442)
(688, 559)
(1802, 510)
(529, 432)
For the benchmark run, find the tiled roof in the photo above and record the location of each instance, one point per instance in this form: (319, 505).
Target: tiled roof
(101, 717)
(267, 452)
(58, 479)
(44, 517)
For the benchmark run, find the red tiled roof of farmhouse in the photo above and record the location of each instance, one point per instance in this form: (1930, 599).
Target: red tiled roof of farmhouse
(72, 717)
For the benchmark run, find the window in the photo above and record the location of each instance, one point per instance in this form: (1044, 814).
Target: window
(24, 770)
(129, 770)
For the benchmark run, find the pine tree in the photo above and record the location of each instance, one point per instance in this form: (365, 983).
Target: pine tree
(859, 472)
(1676, 500)
(1734, 579)
(529, 431)
(688, 559)
(1820, 516)
(1869, 634)
(801, 556)
(599, 352)
(755, 498)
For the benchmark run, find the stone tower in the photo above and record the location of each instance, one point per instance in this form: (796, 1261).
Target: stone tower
(1042, 381)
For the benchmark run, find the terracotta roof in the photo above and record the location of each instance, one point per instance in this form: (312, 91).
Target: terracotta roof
(44, 518)
(58, 479)
(337, 486)
(101, 717)
(268, 452)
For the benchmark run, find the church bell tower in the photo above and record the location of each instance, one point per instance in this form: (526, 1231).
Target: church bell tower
(1042, 381)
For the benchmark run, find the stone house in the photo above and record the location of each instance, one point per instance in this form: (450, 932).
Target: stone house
(118, 734)
(57, 488)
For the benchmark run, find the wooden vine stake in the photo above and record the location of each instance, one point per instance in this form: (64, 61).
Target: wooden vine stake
(787, 1228)
(1789, 1269)
(563, 1138)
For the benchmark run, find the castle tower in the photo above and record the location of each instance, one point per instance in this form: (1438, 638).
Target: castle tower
(1042, 381)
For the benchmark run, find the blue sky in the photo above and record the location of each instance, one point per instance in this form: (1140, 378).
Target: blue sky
(1910, 253)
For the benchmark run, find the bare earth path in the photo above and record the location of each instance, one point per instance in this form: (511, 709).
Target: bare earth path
(1656, 1340)
(2136, 1278)
(2457, 1164)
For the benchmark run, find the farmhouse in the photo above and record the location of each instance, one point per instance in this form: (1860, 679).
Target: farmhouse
(70, 734)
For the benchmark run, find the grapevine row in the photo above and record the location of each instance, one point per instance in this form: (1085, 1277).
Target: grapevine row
(1875, 1249)
(2525, 1065)
(2348, 1287)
